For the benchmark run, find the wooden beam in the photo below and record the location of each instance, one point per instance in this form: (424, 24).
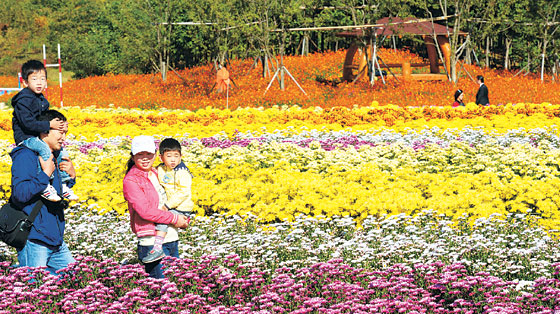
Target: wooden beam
(326, 28)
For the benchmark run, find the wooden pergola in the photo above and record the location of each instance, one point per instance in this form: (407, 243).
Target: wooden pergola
(395, 26)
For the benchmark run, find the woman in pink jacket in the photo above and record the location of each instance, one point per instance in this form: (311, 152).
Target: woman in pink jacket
(145, 198)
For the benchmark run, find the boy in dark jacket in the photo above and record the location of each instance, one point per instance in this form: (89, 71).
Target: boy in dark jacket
(28, 104)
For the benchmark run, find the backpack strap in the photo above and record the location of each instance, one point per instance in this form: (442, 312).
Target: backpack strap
(35, 210)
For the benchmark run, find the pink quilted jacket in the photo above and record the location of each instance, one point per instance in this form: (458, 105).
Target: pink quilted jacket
(143, 202)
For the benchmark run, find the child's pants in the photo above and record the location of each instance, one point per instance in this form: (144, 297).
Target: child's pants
(40, 147)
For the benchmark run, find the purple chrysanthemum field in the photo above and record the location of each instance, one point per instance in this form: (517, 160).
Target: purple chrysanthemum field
(225, 285)
(398, 264)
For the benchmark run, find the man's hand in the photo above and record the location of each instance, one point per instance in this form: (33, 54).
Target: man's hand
(47, 166)
(57, 124)
(182, 222)
(68, 166)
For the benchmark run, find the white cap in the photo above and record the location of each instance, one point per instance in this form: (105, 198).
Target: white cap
(143, 143)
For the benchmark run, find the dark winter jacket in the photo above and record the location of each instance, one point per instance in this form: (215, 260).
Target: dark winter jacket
(482, 95)
(28, 181)
(27, 107)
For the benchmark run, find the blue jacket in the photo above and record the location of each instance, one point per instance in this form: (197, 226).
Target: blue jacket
(28, 181)
(27, 107)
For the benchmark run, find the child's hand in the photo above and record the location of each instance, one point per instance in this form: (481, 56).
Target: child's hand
(57, 124)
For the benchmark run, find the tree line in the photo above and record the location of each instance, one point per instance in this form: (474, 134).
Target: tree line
(141, 36)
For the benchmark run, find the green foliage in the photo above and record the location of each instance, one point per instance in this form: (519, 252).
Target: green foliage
(100, 37)
(23, 29)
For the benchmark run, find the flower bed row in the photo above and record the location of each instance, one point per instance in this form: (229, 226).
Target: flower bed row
(512, 247)
(193, 90)
(93, 124)
(423, 264)
(228, 287)
(282, 174)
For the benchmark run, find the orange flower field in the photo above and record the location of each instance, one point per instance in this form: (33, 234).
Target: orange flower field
(195, 90)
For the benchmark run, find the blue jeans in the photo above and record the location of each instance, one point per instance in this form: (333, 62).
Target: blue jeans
(36, 255)
(154, 269)
(40, 147)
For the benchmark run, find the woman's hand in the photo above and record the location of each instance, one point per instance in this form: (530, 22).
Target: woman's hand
(182, 222)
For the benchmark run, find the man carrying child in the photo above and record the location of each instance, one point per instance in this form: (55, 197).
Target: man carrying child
(45, 245)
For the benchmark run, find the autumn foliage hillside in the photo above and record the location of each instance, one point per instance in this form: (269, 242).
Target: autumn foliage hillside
(193, 88)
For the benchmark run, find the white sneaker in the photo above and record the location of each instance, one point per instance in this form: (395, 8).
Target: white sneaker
(50, 194)
(68, 194)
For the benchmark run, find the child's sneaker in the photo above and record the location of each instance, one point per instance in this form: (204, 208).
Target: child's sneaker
(50, 194)
(68, 194)
(154, 255)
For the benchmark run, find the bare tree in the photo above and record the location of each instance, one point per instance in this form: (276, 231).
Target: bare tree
(548, 11)
(460, 9)
(163, 15)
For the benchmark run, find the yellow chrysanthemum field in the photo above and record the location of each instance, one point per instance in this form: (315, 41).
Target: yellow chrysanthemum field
(279, 163)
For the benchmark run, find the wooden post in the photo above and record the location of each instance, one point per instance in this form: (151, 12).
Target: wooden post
(506, 58)
(46, 90)
(542, 68)
(406, 71)
(443, 43)
(380, 71)
(475, 57)
(373, 57)
(266, 69)
(282, 74)
(432, 54)
(281, 71)
(468, 48)
(487, 65)
(554, 72)
(60, 76)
